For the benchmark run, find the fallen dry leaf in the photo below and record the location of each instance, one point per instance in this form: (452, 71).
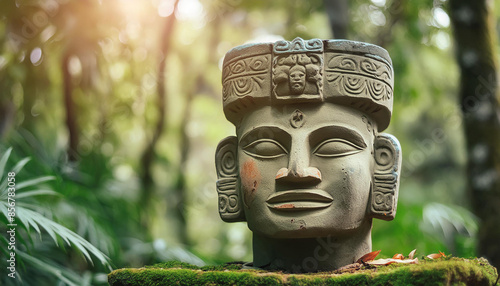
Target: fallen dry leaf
(412, 254)
(388, 261)
(398, 256)
(368, 257)
(436, 255)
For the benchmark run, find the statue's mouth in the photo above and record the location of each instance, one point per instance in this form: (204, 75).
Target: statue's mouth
(299, 200)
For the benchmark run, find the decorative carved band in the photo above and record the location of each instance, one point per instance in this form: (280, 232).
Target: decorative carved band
(359, 75)
(226, 184)
(298, 45)
(245, 76)
(383, 194)
(344, 72)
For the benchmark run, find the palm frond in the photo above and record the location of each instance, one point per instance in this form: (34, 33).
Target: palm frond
(34, 182)
(3, 161)
(36, 193)
(55, 230)
(61, 273)
(449, 219)
(20, 165)
(31, 219)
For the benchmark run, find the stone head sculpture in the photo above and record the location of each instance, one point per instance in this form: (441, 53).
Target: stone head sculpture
(308, 169)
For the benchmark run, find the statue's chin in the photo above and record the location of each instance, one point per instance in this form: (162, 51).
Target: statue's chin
(303, 232)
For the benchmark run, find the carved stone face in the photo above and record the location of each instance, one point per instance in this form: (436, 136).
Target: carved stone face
(308, 173)
(308, 164)
(297, 79)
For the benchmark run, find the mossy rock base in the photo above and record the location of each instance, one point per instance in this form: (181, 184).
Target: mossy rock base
(443, 271)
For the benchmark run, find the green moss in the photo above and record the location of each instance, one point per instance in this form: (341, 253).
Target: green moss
(183, 265)
(451, 271)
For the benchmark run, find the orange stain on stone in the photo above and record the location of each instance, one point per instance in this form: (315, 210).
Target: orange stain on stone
(286, 206)
(250, 180)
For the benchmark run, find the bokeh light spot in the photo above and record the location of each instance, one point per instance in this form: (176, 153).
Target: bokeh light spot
(189, 10)
(441, 18)
(166, 8)
(36, 56)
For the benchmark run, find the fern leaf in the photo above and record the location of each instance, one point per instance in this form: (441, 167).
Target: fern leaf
(36, 193)
(3, 161)
(20, 165)
(61, 273)
(34, 182)
(56, 230)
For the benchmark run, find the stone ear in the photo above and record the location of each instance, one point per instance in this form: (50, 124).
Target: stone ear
(385, 186)
(226, 163)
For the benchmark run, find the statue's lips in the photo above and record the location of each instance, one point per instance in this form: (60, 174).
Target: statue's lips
(298, 200)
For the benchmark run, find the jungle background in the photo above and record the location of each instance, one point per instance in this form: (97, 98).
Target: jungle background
(110, 112)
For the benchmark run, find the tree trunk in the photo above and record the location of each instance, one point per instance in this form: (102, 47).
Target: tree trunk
(475, 51)
(70, 109)
(338, 17)
(180, 189)
(395, 14)
(7, 113)
(149, 152)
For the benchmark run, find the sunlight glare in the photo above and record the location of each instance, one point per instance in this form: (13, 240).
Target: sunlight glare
(3, 62)
(123, 172)
(379, 3)
(263, 36)
(377, 17)
(441, 18)
(189, 10)
(36, 56)
(133, 30)
(165, 8)
(442, 40)
(75, 66)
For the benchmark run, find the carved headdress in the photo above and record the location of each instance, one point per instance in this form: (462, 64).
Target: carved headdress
(345, 72)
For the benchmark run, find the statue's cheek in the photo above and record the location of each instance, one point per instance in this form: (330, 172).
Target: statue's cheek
(250, 181)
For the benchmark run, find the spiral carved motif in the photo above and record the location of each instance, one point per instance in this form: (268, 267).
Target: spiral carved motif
(385, 180)
(384, 158)
(227, 183)
(228, 203)
(228, 163)
(298, 45)
(383, 202)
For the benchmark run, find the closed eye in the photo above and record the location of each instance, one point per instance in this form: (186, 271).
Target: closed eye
(265, 149)
(336, 148)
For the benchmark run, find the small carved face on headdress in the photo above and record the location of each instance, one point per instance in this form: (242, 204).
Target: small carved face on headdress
(297, 79)
(296, 75)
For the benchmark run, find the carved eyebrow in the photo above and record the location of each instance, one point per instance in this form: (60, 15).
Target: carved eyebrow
(350, 135)
(267, 132)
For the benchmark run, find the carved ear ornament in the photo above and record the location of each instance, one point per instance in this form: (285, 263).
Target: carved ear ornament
(226, 163)
(385, 184)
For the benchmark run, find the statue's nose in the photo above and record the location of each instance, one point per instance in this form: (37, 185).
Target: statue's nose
(298, 168)
(307, 175)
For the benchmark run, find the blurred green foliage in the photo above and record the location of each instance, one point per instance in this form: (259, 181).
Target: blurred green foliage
(112, 50)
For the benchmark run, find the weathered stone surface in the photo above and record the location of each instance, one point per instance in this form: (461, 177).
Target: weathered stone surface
(308, 169)
(454, 271)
